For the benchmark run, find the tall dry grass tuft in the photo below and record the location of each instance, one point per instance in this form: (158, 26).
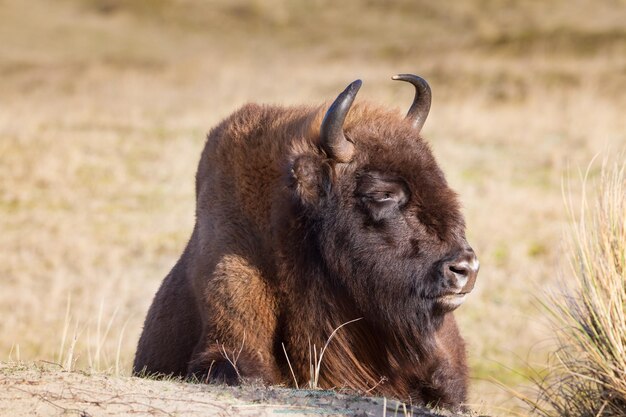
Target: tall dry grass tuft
(588, 376)
(98, 356)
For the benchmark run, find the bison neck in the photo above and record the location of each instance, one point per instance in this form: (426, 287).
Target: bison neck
(333, 345)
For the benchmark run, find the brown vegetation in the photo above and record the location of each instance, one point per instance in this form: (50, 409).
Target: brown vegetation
(587, 376)
(104, 105)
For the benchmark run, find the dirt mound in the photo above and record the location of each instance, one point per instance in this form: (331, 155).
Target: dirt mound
(44, 390)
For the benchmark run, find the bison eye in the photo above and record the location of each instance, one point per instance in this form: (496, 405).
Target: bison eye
(382, 205)
(381, 196)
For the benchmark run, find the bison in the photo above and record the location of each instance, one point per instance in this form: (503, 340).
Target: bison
(307, 221)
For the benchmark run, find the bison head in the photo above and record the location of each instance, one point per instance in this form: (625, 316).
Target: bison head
(379, 213)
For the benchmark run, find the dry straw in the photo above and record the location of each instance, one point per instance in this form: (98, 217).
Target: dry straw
(588, 375)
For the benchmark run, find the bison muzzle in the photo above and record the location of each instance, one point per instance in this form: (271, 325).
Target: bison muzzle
(307, 220)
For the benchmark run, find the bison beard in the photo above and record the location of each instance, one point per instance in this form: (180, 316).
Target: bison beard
(304, 224)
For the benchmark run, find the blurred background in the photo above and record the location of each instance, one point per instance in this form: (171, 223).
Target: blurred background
(105, 105)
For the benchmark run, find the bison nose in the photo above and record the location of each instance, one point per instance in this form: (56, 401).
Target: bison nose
(460, 273)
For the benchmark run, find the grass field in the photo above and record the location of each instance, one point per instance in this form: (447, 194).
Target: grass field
(104, 107)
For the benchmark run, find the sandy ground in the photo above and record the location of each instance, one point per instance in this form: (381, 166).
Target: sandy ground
(46, 390)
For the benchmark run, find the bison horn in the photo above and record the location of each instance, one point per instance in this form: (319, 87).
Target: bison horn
(334, 142)
(421, 103)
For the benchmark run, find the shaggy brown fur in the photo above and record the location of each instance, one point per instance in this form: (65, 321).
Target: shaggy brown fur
(289, 244)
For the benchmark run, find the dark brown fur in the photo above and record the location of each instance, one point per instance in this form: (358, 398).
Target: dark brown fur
(284, 251)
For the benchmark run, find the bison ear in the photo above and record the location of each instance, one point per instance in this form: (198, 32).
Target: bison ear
(310, 179)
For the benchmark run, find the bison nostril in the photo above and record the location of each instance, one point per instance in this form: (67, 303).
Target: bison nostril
(460, 271)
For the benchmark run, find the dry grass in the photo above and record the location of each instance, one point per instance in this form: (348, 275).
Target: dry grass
(104, 105)
(588, 374)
